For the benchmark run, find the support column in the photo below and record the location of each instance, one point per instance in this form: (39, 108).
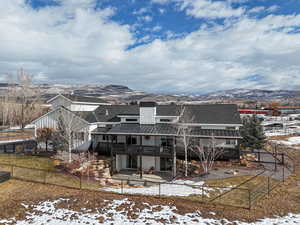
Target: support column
(174, 158)
(141, 150)
(111, 154)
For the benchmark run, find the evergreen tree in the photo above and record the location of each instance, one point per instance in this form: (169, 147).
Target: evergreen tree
(252, 133)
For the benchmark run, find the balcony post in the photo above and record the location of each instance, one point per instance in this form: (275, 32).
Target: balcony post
(141, 150)
(111, 154)
(174, 157)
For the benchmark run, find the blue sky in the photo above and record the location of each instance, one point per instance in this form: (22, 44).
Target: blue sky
(171, 46)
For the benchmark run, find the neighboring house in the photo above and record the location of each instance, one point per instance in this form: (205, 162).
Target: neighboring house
(146, 136)
(75, 102)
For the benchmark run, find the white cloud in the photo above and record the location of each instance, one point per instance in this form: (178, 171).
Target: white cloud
(146, 18)
(209, 9)
(273, 8)
(257, 9)
(160, 1)
(76, 43)
(156, 28)
(140, 11)
(161, 10)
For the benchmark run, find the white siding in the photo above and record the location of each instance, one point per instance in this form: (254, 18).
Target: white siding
(83, 107)
(121, 162)
(147, 115)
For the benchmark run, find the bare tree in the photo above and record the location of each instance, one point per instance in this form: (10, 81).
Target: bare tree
(208, 154)
(44, 135)
(184, 132)
(22, 101)
(71, 130)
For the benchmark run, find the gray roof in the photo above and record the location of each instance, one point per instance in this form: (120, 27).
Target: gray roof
(164, 129)
(204, 114)
(77, 98)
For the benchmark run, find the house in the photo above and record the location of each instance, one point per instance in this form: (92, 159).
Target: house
(76, 102)
(145, 136)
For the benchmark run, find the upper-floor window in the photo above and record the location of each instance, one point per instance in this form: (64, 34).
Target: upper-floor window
(230, 141)
(165, 120)
(131, 120)
(230, 128)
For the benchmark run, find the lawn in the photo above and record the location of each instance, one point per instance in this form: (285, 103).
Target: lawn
(240, 197)
(29, 161)
(42, 169)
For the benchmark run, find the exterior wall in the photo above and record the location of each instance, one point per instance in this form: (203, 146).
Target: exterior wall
(121, 162)
(50, 121)
(147, 162)
(150, 141)
(147, 115)
(82, 107)
(91, 128)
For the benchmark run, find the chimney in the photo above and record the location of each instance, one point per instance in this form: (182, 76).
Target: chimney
(147, 112)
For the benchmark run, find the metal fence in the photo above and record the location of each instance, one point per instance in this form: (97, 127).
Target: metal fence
(243, 195)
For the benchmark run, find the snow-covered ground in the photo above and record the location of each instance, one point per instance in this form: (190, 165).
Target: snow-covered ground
(176, 188)
(47, 213)
(290, 141)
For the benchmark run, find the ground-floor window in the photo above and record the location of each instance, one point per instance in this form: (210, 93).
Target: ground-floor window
(131, 162)
(165, 164)
(130, 140)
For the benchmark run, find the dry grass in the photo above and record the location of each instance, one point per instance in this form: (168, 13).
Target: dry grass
(29, 161)
(283, 200)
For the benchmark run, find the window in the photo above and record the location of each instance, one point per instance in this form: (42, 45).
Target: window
(230, 141)
(165, 120)
(131, 120)
(131, 140)
(166, 141)
(230, 128)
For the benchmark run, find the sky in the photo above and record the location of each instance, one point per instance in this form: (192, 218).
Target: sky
(166, 46)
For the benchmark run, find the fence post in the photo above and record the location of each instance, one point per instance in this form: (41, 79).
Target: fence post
(122, 187)
(159, 190)
(249, 198)
(80, 184)
(45, 177)
(12, 170)
(268, 185)
(283, 173)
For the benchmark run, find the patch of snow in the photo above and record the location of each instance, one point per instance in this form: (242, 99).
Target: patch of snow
(176, 188)
(47, 213)
(290, 142)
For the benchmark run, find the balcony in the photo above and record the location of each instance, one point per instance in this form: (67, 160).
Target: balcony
(121, 148)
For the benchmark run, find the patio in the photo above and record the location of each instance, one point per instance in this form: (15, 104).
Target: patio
(134, 175)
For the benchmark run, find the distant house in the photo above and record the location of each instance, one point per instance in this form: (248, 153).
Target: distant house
(145, 136)
(75, 102)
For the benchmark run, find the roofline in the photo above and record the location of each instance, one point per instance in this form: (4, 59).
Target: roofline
(213, 124)
(91, 103)
(57, 97)
(77, 102)
(173, 135)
